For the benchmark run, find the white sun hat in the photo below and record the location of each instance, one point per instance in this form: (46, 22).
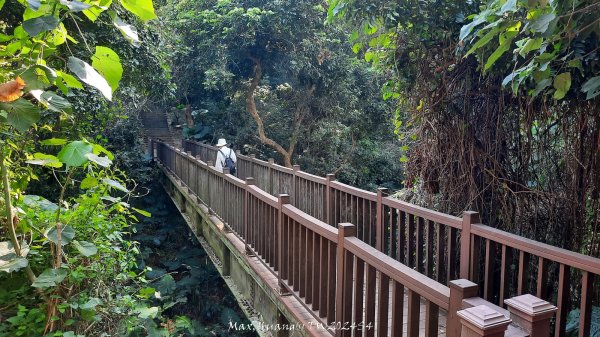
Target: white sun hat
(221, 142)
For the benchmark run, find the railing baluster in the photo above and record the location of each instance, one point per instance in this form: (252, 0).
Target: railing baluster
(370, 299)
(383, 305)
(392, 215)
(331, 270)
(414, 308)
(317, 258)
(562, 304)
(303, 262)
(309, 266)
(429, 265)
(489, 273)
(397, 310)
(410, 239)
(542, 278)
(359, 292)
(432, 312)
(402, 238)
(440, 267)
(324, 289)
(504, 271)
(523, 278)
(587, 291)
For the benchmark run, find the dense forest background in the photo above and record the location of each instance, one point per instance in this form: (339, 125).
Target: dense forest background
(489, 106)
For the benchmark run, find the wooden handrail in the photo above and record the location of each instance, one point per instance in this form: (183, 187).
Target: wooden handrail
(311, 223)
(426, 213)
(552, 253)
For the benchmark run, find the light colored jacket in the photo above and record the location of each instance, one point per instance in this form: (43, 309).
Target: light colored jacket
(220, 163)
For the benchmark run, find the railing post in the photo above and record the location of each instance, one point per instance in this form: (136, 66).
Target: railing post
(459, 290)
(483, 321)
(469, 218)
(246, 231)
(379, 239)
(531, 314)
(343, 292)
(283, 199)
(328, 202)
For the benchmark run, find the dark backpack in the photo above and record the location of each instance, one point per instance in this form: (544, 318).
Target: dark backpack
(229, 163)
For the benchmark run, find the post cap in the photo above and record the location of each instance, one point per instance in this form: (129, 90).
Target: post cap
(530, 305)
(484, 317)
(461, 283)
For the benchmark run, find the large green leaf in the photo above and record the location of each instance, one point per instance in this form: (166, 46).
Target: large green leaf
(89, 75)
(35, 26)
(146, 312)
(8, 252)
(562, 84)
(71, 81)
(75, 153)
(509, 6)
(21, 114)
(88, 182)
(75, 6)
(91, 304)
(540, 25)
(2, 3)
(94, 12)
(592, 87)
(98, 149)
(531, 44)
(50, 278)
(34, 4)
(108, 64)
(102, 161)
(484, 40)
(9, 261)
(66, 235)
(142, 8)
(38, 77)
(43, 159)
(85, 248)
(54, 141)
(37, 201)
(115, 184)
(13, 265)
(129, 32)
(52, 101)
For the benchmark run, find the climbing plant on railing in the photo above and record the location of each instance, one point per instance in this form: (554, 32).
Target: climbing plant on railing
(68, 247)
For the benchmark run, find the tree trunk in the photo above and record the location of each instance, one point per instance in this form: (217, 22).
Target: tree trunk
(251, 107)
(188, 116)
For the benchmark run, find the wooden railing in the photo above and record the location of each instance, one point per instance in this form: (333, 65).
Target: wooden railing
(405, 236)
(316, 262)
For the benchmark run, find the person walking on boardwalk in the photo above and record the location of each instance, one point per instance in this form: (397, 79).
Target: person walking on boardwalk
(225, 157)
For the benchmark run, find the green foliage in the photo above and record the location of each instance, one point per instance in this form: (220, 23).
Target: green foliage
(79, 261)
(313, 97)
(546, 38)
